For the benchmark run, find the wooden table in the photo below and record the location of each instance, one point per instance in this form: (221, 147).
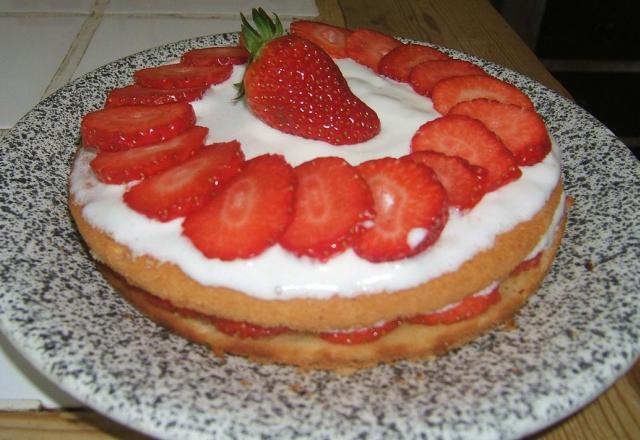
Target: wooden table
(471, 26)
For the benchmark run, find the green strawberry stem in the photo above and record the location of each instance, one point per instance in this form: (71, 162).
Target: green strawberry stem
(257, 36)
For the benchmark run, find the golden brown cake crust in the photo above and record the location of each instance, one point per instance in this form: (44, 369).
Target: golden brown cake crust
(169, 282)
(409, 341)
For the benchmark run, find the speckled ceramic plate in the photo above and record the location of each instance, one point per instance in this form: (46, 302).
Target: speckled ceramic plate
(574, 338)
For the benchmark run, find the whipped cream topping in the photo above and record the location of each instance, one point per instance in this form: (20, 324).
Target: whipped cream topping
(277, 274)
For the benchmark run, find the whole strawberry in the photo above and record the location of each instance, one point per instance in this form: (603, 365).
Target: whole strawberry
(294, 86)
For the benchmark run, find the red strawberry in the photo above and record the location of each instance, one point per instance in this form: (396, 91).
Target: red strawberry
(522, 131)
(138, 95)
(331, 39)
(215, 56)
(291, 94)
(184, 188)
(426, 74)
(468, 308)
(332, 202)
(138, 163)
(249, 214)
(411, 209)
(464, 183)
(367, 47)
(180, 76)
(468, 138)
(450, 91)
(362, 335)
(121, 128)
(243, 330)
(398, 63)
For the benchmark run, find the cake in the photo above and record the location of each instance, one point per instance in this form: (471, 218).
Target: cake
(278, 250)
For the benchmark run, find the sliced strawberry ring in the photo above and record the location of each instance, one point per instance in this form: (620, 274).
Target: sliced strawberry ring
(468, 308)
(424, 76)
(367, 47)
(331, 39)
(138, 95)
(450, 91)
(215, 56)
(362, 335)
(521, 130)
(247, 215)
(464, 183)
(468, 138)
(131, 126)
(331, 205)
(411, 209)
(180, 76)
(117, 167)
(398, 63)
(185, 188)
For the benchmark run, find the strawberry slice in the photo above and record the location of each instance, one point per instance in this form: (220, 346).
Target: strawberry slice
(185, 188)
(367, 47)
(130, 126)
(450, 91)
(464, 183)
(179, 76)
(426, 74)
(468, 138)
(398, 63)
(361, 335)
(332, 203)
(244, 330)
(411, 209)
(138, 95)
(331, 39)
(138, 163)
(522, 131)
(468, 308)
(215, 56)
(237, 329)
(249, 214)
(528, 264)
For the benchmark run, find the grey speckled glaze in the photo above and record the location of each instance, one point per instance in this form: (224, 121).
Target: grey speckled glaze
(574, 338)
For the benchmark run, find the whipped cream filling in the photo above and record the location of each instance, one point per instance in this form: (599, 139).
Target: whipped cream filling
(277, 274)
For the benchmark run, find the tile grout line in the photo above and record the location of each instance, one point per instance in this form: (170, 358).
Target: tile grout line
(78, 47)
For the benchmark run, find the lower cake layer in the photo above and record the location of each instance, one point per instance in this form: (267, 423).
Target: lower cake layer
(167, 281)
(309, 350)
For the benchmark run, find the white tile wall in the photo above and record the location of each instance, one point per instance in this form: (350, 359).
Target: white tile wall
(73, 6)
(118, 36)
(45, 43)
(31, 50)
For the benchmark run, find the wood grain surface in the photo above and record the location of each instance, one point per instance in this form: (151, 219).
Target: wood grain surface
(471, 26)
